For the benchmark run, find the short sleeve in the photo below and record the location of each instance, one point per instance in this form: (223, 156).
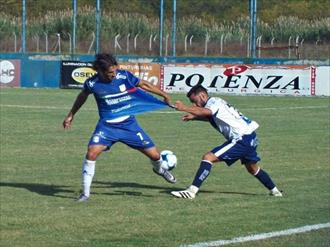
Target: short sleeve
(212, 105)
(87, 86)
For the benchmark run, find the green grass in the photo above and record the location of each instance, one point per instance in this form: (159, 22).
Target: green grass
(130, 206)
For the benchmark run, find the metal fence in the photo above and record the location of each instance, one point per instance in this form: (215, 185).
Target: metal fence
(75, 29)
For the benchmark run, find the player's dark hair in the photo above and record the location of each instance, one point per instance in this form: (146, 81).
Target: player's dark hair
(103, 61)
(196, 90)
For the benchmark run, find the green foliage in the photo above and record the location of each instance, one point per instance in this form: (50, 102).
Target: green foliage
(8, 24)
(270, 10)
(277, 19)
(193, 26)
(219, 10)
(128, 24)
(217, 19)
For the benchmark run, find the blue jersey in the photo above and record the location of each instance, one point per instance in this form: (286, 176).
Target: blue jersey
(111, 96)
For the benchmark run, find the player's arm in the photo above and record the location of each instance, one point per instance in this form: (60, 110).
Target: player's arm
(189, 117)
(155, 90)
(194, 112)
(80, 100)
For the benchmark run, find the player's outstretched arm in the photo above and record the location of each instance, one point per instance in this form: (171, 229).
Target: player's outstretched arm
(195, 112)
(80, 100)
(155, 90)
(189, 117)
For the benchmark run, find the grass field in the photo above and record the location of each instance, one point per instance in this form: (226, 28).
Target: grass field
(130, 206)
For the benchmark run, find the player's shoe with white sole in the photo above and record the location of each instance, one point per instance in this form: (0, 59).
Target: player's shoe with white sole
(166, 175)
(189, 193)
(276, 192)
(82, 198)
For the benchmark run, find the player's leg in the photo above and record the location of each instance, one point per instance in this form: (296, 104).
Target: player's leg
(254, 169)
(201, 175)
(100, 141)
(250, 159)
(135, 137)
(88, 169)
(156, 160)
(204, 170)
(228, 152)
(154, 155)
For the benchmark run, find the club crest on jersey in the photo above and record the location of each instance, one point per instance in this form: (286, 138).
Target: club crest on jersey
(120, 76)
(122, 88)
(96, 139)
(91, 83)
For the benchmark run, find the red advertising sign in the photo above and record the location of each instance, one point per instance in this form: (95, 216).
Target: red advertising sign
(235, 70)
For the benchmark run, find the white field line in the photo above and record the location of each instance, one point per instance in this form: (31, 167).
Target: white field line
(162, 112)
(260, 236)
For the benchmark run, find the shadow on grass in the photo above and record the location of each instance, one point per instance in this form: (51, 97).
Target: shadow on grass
(101, 184)
(41, 189)
(57, 190)
(231, 193)
(130, 185)
(167, 190)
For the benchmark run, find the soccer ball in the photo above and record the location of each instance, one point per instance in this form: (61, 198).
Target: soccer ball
(169, 160)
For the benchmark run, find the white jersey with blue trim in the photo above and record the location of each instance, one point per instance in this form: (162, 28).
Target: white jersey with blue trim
(228, 121)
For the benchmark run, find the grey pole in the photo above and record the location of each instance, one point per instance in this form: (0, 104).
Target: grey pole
(74, 25)
(97, 44)
(174, 29)
(161, 27)
(23, 39)
(253, 27)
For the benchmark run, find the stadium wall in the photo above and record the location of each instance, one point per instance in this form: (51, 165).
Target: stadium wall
(44, 70)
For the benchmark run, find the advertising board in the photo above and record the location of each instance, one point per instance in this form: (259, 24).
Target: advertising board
(149, 72)
(10, 73)
(240, 79)
(74, 74)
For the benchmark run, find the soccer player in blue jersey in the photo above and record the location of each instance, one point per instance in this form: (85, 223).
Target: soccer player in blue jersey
(110, 87)
(239, 132)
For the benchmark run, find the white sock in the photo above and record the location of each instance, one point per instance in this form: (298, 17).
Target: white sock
(157, 164)
(274, 189)
(88, 171)
(193, 189)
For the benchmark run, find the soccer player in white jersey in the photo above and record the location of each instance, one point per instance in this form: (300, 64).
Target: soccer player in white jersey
(110, 87)
(239, 132)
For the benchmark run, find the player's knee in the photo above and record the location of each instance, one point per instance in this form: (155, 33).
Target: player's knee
(92, 154)
(154, 156)
(252, 169)
(209, 157)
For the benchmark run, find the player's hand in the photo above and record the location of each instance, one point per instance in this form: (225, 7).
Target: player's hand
(167, 100)
(67, 122)
(188, 117)
(179, 105)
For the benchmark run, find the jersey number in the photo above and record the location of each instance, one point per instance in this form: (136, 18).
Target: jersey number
(140, 135)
